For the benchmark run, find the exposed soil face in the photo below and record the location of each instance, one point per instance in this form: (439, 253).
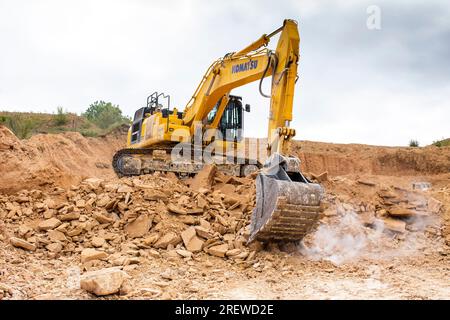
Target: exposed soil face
(64, 214)
(48, 160)
(342, 159)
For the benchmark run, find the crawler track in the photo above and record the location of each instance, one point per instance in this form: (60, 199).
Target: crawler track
(133, 161)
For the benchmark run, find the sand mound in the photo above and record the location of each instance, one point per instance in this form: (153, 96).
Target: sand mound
(47, 160)
(8, 141)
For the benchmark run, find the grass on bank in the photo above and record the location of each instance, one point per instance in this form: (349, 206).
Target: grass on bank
(106, 118)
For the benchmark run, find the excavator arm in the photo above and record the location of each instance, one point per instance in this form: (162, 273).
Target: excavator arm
(223, 76)
(287, 204)
(253, 63)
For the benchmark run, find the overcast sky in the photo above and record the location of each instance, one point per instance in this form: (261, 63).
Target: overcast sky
(376, 86)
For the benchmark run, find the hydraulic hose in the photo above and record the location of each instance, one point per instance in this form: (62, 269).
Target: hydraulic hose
(272, 60)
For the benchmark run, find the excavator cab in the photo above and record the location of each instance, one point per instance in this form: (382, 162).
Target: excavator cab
(231, 123)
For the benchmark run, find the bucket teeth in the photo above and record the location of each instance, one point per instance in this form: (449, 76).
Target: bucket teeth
(285, 210)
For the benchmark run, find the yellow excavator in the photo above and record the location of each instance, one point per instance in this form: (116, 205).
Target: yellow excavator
(210, 130)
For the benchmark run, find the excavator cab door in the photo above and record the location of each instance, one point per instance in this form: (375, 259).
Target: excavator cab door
(232, 121)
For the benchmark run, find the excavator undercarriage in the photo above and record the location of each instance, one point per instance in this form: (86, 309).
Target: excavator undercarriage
(132, 162)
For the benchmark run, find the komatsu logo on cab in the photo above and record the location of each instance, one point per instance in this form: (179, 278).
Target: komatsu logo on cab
(244, 66)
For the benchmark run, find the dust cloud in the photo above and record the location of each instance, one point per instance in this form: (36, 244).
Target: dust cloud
(349, 240)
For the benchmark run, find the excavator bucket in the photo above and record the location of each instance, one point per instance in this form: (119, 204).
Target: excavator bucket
(287, 204)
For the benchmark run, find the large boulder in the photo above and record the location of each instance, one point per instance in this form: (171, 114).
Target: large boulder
(103, 282)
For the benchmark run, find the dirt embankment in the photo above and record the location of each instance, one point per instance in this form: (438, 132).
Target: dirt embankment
(47, 160)
(342, 159)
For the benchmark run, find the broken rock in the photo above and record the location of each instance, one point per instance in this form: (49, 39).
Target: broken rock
(49, 224)
(218, 251)
(124, 189)
(54, 247)
(233, 252)
(175, 209)
(201, 202)
(74, 215)
(394, 225)
(98, 242)
(184, 253)
(434, 205)
(80, 203)
(204, 178)
(103, 201)
(169, 238)
(90, 254)
(139, 227)
(55, 235)
(367, 218)
(154, 195)
(191, 241)
(403, 212)
(103, 282)
(94, 183)
(102, 218)
(203, 232)
(190, 220)
(20, 243)
(23, 230)
(195, 244)
(151, 239)
(187, 235)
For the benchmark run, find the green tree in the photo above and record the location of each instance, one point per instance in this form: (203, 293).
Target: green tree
(413, 143)
(104, 114)
(442, 143)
